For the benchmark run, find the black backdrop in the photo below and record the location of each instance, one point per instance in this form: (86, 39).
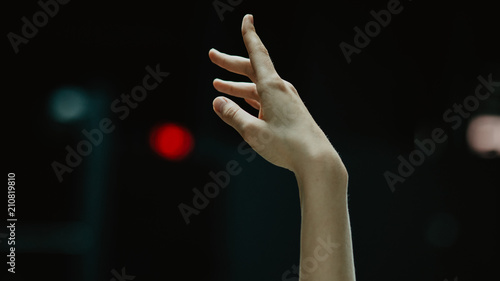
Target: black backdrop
(117, 211)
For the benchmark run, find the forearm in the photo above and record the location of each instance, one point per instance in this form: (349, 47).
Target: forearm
(326, 249)
(293, 141)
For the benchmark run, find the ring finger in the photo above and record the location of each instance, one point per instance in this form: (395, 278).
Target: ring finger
(245, 90)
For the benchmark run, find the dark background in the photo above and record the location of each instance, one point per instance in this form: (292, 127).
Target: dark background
(119, 208)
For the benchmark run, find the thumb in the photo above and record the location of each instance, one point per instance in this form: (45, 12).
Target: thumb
(234, 115)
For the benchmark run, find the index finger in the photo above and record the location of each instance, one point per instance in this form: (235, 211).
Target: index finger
(259, 56)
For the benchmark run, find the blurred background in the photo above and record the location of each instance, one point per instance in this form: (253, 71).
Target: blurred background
(101, 173)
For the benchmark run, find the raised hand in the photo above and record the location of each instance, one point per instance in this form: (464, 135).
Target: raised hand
(284, 132)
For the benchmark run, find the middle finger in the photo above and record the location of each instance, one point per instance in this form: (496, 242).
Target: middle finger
(236, 64)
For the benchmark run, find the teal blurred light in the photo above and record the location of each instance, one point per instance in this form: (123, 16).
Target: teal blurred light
(68, 104)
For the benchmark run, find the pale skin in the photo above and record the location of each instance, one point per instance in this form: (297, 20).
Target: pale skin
(285, 134)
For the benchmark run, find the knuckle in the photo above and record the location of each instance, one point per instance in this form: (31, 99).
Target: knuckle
(230, 111)
(290, 86)
(260, 48)
(254, 93)
(274, 82)
(230, 88)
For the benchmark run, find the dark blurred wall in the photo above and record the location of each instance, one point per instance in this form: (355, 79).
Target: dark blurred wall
(117, 211)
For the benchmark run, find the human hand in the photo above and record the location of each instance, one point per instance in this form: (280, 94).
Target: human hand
(284, 132)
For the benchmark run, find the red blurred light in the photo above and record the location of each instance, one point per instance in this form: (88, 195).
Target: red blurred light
(171, 141)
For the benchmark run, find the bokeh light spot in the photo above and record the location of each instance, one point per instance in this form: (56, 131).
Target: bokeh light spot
(483, 135)
(68, 104)
(171, 141)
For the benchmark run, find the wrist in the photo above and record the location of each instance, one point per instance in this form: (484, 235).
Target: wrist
(321, 171)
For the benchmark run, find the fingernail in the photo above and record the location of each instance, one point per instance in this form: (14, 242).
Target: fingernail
(251, 18)
(216, 79)
(219, 104)
(212, 49)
